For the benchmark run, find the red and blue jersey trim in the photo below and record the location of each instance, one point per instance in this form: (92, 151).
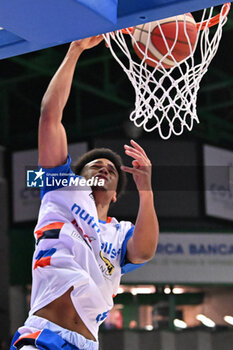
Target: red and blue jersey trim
(43, 258)
(109, 219)
(29, 339)
(51, 231)
(44, 340)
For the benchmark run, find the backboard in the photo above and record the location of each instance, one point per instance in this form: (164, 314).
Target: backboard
(34, 25)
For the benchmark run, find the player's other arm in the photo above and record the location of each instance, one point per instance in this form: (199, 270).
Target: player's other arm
(142, 245)
(52, 136)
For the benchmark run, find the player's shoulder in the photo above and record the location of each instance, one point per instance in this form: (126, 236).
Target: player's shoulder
(61, 178)
(122, 225)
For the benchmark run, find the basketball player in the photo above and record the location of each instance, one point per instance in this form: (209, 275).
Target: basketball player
(80, 252)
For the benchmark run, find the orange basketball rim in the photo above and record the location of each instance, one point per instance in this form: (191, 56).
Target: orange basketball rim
(202, 25)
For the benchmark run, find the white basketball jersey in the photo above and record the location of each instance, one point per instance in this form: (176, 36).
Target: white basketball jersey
(74, 248)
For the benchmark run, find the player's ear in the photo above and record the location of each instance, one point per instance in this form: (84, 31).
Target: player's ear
(114, 197)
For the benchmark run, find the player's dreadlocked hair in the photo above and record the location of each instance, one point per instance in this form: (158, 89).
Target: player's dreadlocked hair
(102, 153)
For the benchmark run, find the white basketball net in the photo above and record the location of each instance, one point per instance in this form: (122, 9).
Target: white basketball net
(166, 98)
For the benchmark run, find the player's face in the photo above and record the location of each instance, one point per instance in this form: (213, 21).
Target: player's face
(102, 169)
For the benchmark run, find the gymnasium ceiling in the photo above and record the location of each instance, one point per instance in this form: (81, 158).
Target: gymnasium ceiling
(102, 96)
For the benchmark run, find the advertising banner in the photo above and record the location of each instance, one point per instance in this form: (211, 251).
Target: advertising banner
(218, 182)
(188, 258)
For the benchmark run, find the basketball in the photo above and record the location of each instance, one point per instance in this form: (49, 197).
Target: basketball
(171, 40)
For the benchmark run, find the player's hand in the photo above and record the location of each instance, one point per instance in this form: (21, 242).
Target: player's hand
(87, 43)
(141, 169)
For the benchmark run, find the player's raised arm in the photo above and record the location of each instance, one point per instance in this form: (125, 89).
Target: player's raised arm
(142, 245)
(52, 141)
